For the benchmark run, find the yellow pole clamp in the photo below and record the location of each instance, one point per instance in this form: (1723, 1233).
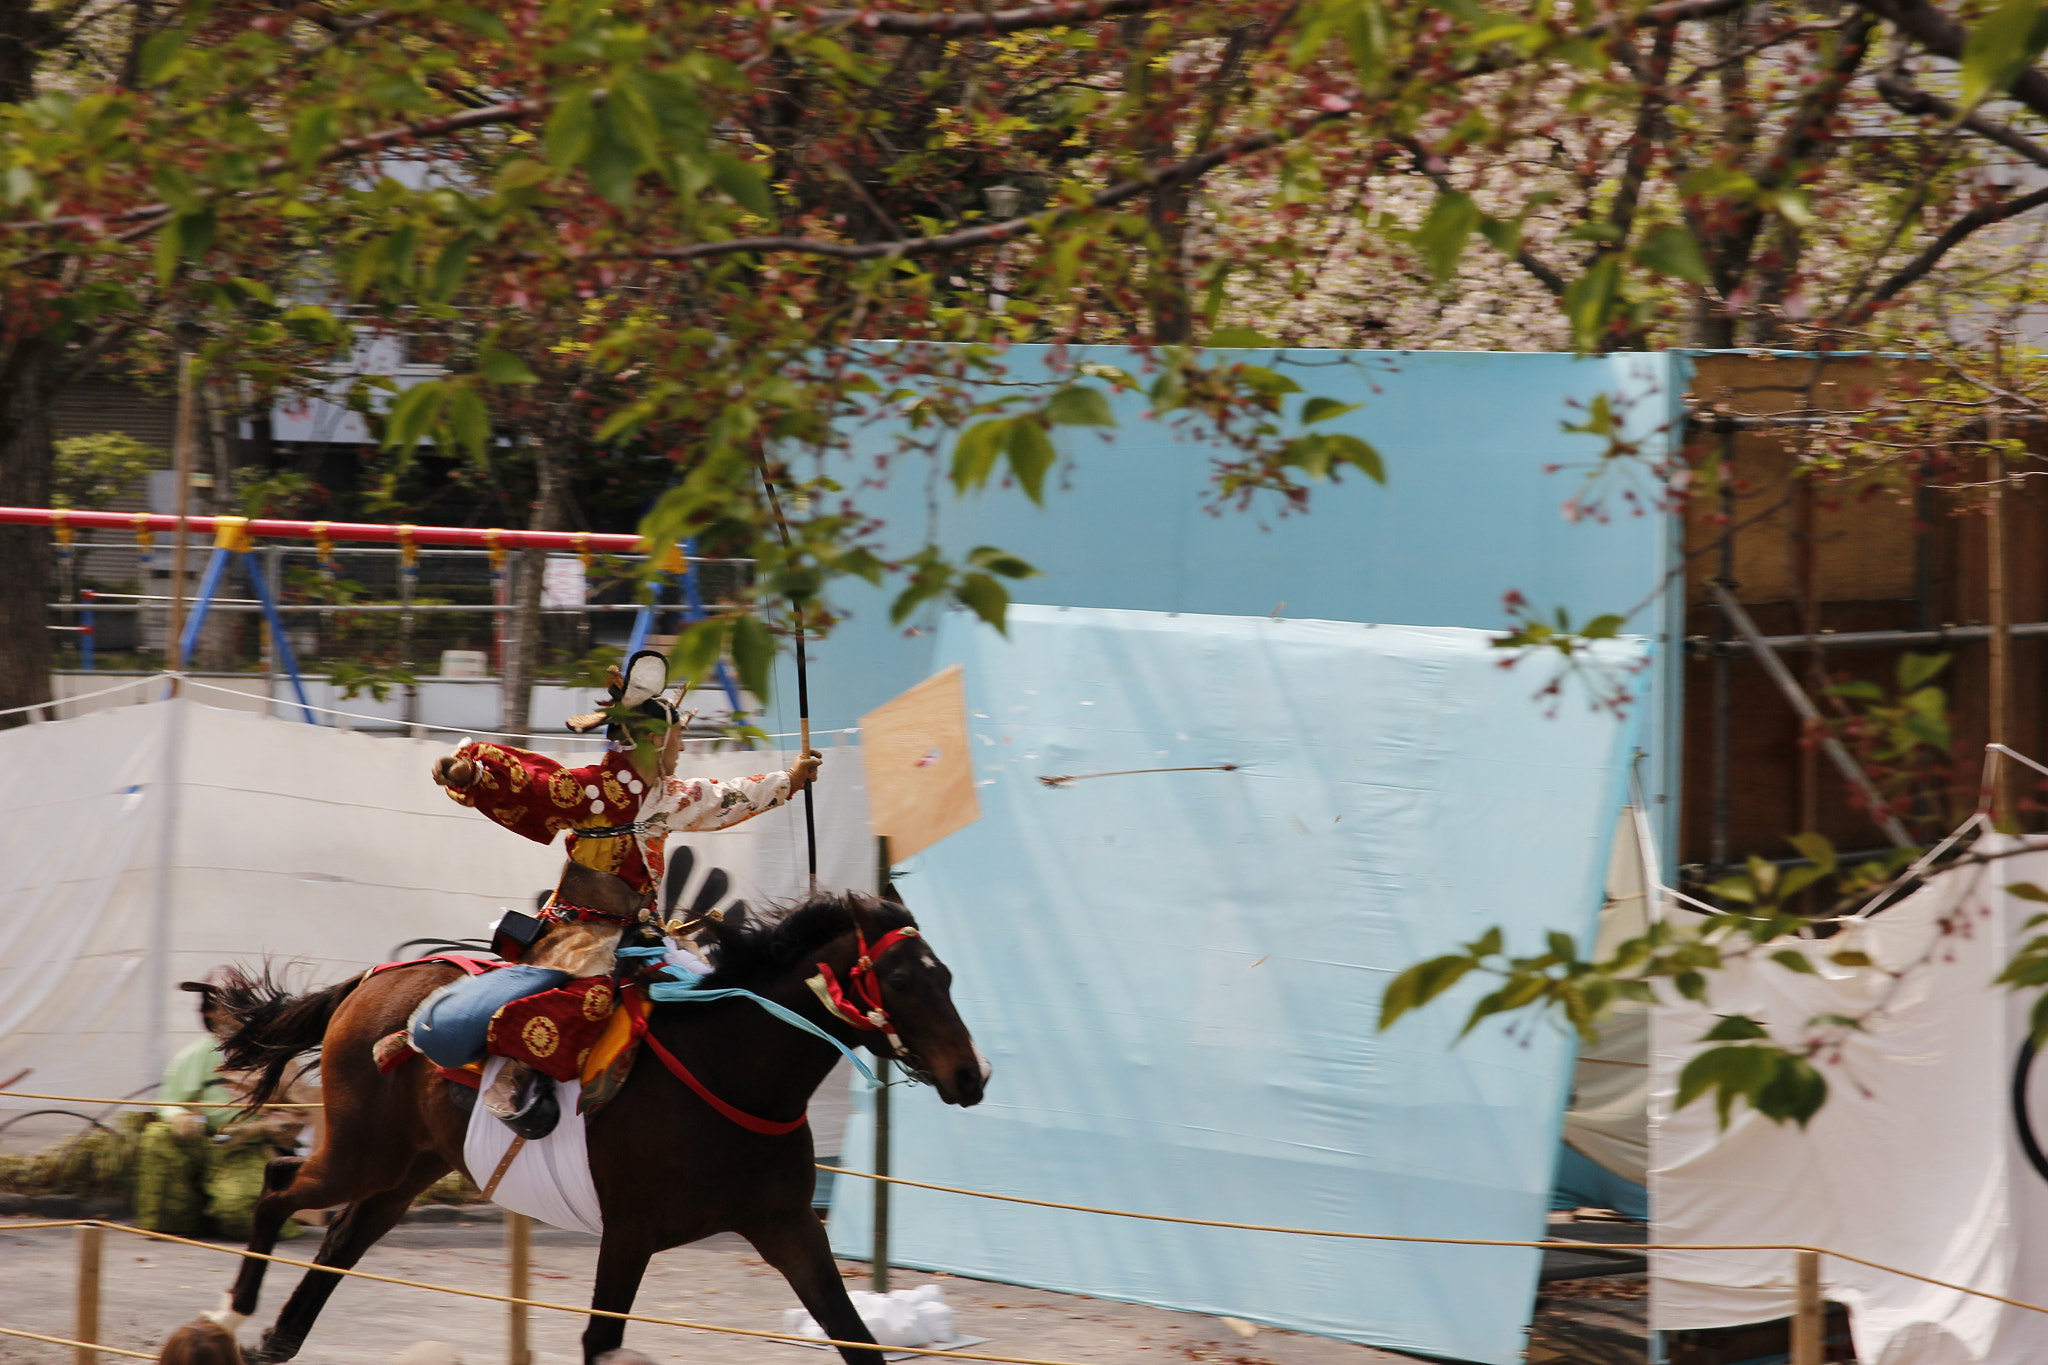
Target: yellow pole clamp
(145, 539)
(582, 543)
(60, 521)
(497, 550)
(323, 548)
(232, 533)
(408, 548)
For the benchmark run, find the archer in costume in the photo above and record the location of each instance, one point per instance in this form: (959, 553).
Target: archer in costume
(618, 814)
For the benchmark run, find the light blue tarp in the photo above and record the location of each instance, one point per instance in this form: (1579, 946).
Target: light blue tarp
(1177, 975)
(1480, 466)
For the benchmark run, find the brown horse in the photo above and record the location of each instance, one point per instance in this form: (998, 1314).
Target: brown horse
(389, 1136)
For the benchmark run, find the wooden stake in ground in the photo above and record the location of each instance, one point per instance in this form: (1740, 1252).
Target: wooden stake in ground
(88, 1328)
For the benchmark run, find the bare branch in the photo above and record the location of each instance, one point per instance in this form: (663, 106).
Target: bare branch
(1943, 36)
(975, 25)
(1909, 98)
(1958, 231)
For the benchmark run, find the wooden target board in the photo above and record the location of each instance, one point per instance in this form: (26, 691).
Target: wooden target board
(920, 774)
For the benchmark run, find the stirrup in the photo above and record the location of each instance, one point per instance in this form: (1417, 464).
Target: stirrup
(537, 1109)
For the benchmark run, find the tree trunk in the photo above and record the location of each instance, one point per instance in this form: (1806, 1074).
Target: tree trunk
(523, 647)
(25, 559)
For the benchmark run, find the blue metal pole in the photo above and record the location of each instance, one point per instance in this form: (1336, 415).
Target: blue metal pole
(85, 640)
(208, 585)
(279, 639)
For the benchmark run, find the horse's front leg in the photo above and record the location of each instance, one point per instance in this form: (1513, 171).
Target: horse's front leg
(352, 1234)
(794, 1242)
(621, 1261)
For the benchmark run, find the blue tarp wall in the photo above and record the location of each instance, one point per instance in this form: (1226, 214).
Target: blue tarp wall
(1177, 975)
(1104, 944)
(1479, 468)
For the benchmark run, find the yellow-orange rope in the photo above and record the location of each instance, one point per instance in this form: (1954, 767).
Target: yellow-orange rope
(156, 1104)
(67, 1341)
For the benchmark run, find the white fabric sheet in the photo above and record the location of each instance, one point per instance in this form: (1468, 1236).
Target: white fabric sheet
(1913, 1162)
(550, 1179)
(319, 849)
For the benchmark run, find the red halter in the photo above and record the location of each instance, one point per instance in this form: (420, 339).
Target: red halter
(860, 1002)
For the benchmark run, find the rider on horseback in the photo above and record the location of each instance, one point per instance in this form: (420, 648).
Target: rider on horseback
(618, 814)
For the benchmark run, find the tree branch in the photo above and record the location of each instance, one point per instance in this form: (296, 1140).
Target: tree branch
(975, 25)
(1943, 36)
(1959, 230)
(1909, 98)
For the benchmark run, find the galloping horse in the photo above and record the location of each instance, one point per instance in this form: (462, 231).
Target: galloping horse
(390, 1136)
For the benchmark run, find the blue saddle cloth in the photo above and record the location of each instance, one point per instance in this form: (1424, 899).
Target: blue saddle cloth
(451, 1024)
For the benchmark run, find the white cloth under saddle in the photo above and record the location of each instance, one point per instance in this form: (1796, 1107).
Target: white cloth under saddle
(549, 1179)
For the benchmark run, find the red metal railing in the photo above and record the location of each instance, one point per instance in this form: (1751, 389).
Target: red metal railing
(268, 529)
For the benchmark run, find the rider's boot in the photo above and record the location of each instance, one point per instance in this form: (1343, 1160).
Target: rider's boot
(525, 1100)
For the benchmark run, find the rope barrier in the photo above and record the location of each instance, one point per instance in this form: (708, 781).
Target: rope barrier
(563, 1307)
(155, 1104)
(84, 1345)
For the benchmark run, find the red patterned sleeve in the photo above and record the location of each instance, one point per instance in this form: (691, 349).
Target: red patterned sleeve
(528, 793)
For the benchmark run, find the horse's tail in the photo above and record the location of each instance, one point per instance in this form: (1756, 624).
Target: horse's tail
(275, 1027)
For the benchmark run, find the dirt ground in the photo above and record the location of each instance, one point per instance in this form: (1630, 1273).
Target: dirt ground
(151, 1287)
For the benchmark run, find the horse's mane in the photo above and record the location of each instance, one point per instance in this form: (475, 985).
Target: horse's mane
(756, 948)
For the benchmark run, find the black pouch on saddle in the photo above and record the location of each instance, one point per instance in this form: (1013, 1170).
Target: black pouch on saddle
(515, 934)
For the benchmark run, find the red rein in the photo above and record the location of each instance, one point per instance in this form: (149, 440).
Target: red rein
(866, 990)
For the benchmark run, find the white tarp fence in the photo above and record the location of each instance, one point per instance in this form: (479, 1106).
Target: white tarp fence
(1913, 1162)
(311, 846)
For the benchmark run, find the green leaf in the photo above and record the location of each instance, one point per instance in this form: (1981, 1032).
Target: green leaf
(413, 414)
(1795, 1091)
(1031, 455)
(1731, 1028)
(744, 183)
(468, 419)
(2000, 47)
(1420, 984)
(312, 135)
(996, 561)
(1856, 689)
(1239, 339)
(1349, 449)
(502, 367)
(1603, 627)
(2027, 891)
(1850, 957)
(1794, 962)
(1915, 670)
(753, 654)
(1322, 409)
(1590, 302)
(450, 265)
(974, 456)
(697, 648)
(518, 174)
(985, 597)
(1080, 405)
(1442, 238)
(1671, 249)
(157, 59)
(1817, 847)
(571, 130)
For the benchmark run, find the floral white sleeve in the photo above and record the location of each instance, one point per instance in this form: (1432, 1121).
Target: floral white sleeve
(698, 804)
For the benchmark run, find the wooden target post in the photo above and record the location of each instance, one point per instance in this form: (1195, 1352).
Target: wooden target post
(519, 1252)
(88, 1324)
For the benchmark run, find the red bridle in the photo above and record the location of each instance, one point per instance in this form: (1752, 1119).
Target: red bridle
(859, 1003)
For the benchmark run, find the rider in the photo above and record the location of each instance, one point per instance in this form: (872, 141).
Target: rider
(618, 813)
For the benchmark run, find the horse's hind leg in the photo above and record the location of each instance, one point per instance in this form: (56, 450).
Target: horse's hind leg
(287, 1188)
(353, 1233)
(621, 1261)
(794, 1243)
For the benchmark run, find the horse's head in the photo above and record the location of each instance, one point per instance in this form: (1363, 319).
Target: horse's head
(900, 996)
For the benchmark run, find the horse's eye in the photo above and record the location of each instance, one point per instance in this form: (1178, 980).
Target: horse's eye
(899, 981)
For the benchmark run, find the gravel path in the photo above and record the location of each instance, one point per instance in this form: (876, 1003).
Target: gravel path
(152, 1287)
